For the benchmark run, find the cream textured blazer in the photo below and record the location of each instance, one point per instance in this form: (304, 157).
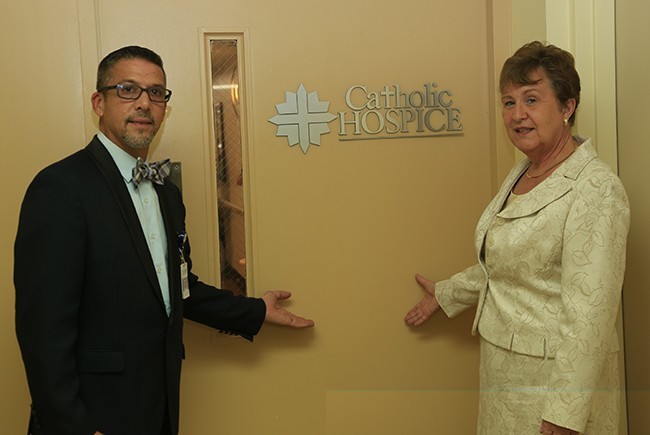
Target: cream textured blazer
(549, 276)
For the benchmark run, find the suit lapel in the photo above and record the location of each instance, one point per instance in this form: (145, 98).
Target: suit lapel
(497, 203)
(108, 169)
(553, 188)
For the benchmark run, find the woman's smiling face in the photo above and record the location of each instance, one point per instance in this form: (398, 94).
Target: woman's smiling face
(534, 117)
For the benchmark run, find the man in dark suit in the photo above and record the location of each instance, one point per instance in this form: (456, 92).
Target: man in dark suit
(103, 273)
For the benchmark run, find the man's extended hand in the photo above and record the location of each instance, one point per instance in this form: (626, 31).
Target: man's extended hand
(278, 315)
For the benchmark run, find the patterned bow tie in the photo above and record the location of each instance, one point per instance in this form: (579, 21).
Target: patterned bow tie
(154, 172)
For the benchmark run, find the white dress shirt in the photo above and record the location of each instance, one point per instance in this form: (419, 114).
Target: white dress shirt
(145, 201)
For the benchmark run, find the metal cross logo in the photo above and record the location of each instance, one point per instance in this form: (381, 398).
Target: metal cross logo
(302, 118)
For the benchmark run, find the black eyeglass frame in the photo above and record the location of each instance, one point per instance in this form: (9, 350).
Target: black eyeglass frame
(121, 86)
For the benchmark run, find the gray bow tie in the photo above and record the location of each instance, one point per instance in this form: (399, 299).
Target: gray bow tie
(154, 172)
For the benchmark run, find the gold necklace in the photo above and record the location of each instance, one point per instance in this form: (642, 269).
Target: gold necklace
(530, 177)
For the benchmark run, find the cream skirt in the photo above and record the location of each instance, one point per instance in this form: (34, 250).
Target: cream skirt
(512, 394)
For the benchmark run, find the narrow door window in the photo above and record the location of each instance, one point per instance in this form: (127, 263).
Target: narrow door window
(229, 164)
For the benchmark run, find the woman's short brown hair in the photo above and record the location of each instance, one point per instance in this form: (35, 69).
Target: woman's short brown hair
(557, 64)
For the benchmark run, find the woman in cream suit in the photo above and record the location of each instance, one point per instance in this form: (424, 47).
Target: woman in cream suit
(551, 259)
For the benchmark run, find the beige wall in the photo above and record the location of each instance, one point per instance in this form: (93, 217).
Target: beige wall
(40, 121)
(633, 63)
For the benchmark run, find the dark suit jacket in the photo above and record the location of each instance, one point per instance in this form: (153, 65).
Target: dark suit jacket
(99, 351)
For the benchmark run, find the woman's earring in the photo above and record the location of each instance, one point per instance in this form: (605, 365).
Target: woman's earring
(566, 122)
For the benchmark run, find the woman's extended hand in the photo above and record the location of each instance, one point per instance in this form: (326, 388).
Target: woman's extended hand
(426, 307)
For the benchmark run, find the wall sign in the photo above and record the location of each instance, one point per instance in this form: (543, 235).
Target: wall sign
(386, 113)
(302, 118)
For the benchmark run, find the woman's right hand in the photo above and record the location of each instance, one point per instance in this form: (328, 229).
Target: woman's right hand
(424, 309)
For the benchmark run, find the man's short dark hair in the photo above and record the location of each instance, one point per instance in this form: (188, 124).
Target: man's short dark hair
(130, 52)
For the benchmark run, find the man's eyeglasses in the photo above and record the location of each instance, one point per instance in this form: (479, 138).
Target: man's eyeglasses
(130, 91)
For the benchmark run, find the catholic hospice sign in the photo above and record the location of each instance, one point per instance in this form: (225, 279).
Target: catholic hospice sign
(371, 114)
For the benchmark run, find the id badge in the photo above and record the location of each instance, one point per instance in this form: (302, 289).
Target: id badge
(185, 283)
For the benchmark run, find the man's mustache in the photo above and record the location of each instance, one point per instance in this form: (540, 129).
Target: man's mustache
(141, 115)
